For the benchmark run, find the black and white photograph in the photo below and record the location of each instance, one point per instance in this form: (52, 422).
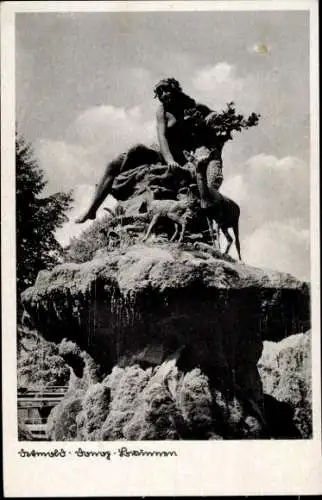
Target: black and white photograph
(164, 175)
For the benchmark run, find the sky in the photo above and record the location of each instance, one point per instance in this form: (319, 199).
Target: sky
(84, 93)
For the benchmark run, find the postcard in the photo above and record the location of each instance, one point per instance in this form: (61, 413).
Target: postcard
(160, 248)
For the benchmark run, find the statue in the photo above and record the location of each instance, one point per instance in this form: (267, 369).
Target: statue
(176, 133)
(214, 132)
(191, 138)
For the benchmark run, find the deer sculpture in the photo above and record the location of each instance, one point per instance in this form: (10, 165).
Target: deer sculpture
(178, 211)
(217, 208)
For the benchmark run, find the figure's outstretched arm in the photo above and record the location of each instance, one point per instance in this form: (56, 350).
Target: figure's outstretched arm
(162, 137)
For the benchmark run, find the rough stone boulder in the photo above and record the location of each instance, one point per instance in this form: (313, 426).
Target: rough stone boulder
(147, 302)
(165, 403)
(153, 403)
(286, 372)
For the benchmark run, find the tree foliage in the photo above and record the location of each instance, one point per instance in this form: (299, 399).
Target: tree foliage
(37, 218)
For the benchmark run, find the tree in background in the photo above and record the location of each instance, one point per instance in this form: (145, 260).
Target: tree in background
(37, 218)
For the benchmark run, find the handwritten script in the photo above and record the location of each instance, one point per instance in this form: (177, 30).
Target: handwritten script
(123, 452)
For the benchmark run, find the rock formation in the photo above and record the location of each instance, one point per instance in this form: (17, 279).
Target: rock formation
(148, 303)
(170, 334)
(286, 372)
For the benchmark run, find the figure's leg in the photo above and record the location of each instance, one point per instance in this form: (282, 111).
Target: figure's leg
(136, 156)
(201, 179)
(214, 177)
(103, 188)
(139, 155)
(228, 238)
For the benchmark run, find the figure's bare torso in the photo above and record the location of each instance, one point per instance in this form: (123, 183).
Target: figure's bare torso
(179, 134)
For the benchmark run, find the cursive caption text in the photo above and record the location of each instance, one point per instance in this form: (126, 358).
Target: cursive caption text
(123, 452)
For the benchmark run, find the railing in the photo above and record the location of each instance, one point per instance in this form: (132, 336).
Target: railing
(38, 430)
(43, 390)
(35, 421)
(42, 397)
(38, 399)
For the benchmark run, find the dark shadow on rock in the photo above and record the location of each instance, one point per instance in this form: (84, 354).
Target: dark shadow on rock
(75, 362)
(279, 418)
